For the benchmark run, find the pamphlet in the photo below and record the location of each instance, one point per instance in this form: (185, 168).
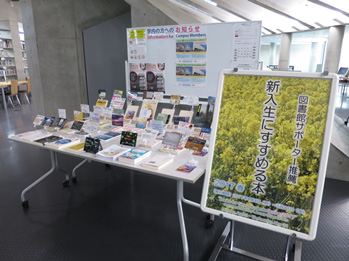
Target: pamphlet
(186, 168)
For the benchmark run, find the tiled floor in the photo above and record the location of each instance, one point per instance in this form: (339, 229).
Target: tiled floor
(107, 216)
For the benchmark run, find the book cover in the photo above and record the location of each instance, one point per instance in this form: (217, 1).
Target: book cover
(48, 139)
(186, 168)
(163, 117)
(150, 134)
(48, 121)
(157, 162)
(135, 155)
(175, 99)
(200, 153)
(76, 148)
(172, 150)
(141, 123)
(78, 115)
(130, 114)
(60, 123)
(102, 103)
(128, 138)
(112, 152)
(112, 133)
(77, 125)
(117, 120)
(103, 137)
(172, 138)
(194, 143)
(39, 119)
(157, 125)
(150, 105)
(63, 143)
(31, 136)
(177, 119)
(132, 96)
(117, 94)
(117, 103)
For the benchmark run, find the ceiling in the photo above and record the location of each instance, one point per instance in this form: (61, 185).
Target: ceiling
(277, 16)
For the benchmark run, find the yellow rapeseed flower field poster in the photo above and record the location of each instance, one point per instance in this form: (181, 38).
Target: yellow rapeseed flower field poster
(269, 141)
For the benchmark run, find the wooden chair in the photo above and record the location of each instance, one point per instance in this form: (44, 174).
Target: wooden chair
(14, 93)
(27, 91)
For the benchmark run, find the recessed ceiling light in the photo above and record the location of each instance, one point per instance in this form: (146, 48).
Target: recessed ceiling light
(211, 2)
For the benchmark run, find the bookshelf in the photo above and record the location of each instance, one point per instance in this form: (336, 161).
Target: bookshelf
(13, 64)
(24, 49)
(7, 59)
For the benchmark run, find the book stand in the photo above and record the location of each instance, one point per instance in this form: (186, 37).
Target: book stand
(293, 252)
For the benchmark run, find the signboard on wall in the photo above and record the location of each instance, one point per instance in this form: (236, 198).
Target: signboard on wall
(194, 54)
(271, 135)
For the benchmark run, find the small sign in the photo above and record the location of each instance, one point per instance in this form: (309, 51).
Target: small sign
(62, 113)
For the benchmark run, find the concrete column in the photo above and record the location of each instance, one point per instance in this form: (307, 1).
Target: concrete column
(334, 47)
(53, 32)
(285, 47)
(272, 53)
(312, 62)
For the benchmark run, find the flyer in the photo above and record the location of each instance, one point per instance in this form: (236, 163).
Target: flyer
(137, 77)
(156, 77)
(137, 48)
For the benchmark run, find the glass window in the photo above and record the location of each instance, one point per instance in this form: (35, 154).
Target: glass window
(270, 50)
(308, 48)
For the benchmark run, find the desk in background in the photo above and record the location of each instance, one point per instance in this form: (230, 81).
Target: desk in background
(4, 85)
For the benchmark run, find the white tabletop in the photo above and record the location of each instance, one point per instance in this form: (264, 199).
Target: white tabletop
(169, 171)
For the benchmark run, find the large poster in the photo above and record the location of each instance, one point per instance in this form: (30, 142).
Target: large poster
(271, 136)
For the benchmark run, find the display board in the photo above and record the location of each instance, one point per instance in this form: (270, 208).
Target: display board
(187, 59)
(268, 155)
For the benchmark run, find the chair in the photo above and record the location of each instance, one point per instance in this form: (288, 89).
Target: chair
(27, 91)
(14, 93)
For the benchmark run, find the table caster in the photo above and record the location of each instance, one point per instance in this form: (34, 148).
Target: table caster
(74, 180)
(25, 204)
(65, 183)
(209, 224)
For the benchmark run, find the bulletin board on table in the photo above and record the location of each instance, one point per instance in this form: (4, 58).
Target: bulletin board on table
(187, 59)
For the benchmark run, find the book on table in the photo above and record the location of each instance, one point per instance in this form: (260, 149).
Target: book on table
(108, 136)
(63, 143)
(172, 149)
(32, 135)
(46, 140)
(157, 161)
(76, 148)
(135, 155)
(148, 143)
(112, 152)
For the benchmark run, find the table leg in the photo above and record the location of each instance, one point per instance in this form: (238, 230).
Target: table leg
(181, 220)
(53, 167)
(4, 98)
(75, 169)
(66, 181)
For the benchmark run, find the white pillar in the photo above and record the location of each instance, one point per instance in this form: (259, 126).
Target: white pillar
(312, 61)
(272, 53)
(285, 47)
(334, 47)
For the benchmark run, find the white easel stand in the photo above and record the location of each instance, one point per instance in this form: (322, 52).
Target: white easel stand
(294, 251)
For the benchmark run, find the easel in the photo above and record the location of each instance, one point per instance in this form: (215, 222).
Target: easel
(294, 252)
